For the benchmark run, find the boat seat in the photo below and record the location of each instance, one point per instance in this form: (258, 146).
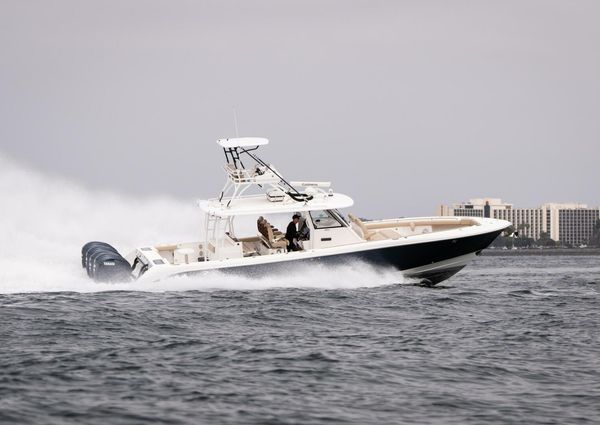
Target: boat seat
(166, 247)
(390, 228)
(264, 225)
(374, 234)
(272, 239)
(366, 233)
(377, 236)
(390, 234)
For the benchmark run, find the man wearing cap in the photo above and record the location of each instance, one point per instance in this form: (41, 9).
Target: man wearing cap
(291, 233)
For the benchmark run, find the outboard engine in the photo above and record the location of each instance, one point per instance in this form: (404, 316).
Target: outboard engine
(87, 249)
(104, 263)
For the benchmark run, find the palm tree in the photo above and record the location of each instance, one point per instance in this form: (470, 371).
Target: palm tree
(523, 226)
(545, 239)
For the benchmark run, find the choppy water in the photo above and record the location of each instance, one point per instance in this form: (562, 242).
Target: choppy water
(508, 340)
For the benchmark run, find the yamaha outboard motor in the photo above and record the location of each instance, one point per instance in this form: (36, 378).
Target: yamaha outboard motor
(104, 263)
(87, 249)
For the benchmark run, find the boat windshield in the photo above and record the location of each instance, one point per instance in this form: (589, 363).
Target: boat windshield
(323, 219)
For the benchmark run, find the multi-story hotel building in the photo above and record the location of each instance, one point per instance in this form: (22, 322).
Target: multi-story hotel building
(571, 224)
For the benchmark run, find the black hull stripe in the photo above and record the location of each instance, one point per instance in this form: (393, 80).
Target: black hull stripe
(417, 255)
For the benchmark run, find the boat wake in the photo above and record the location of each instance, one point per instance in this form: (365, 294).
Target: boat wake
(45, 220)
(344, 277)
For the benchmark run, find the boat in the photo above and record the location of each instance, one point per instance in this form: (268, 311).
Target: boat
(427, 249)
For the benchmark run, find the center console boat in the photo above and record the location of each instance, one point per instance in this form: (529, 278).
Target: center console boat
(428, 249)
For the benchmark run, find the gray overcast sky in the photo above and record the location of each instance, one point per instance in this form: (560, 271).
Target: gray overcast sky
(427, 101)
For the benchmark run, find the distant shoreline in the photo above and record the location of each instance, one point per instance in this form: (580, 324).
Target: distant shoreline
(544, 251)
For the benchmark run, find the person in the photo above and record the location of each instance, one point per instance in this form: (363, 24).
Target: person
(292, 232)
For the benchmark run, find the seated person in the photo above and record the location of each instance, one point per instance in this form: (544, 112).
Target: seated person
(292, 233)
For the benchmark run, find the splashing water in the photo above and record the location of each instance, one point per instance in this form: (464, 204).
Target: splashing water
(44, 221)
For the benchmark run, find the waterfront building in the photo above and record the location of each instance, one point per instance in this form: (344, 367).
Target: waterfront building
(571, 223)
(478, 207)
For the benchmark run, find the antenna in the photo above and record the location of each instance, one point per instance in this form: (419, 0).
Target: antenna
(235, 122)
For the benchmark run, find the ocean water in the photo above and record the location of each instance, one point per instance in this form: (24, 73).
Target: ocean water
(511, 339)
(508, 340)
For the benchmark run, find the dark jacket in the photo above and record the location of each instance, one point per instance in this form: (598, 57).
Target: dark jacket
(291, 232)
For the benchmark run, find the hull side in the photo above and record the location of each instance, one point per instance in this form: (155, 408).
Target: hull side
(431, 262)
(406, 257)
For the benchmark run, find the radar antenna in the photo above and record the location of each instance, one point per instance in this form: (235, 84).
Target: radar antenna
(235, 123)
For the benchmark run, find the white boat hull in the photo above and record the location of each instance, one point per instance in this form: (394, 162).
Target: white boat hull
(431, 258)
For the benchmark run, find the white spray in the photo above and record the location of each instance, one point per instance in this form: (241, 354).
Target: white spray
(44, 221)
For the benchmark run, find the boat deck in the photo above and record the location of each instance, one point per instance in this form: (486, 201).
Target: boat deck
(377, 230)
(271, 241)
